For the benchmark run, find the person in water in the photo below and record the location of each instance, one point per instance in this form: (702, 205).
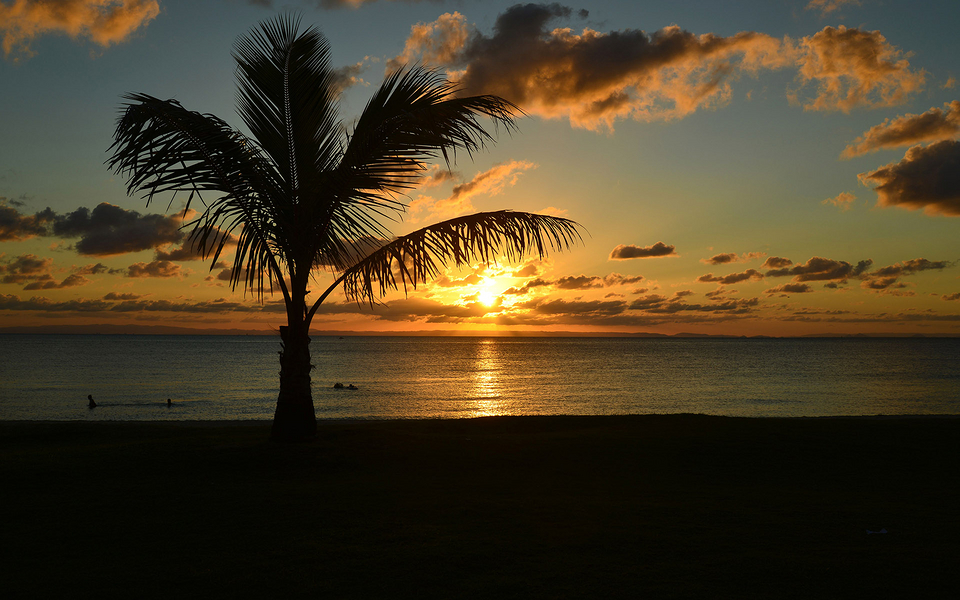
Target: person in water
(92, 404)
(169, 402)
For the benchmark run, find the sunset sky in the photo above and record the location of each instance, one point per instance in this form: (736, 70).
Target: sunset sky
(768, 167)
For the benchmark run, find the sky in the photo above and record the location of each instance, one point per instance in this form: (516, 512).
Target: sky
(769, 167)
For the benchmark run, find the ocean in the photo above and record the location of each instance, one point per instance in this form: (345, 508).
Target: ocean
(48, 377)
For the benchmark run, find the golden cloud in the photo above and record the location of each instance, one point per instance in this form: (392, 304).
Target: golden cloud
(490, 182)
(854, 68)
(594, 79)
(932, 126)
(105, 22)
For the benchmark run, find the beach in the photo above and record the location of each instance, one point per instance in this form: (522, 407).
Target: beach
(508, 507)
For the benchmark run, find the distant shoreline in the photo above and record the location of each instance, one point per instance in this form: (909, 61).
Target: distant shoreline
(558, 419)
(162, 330)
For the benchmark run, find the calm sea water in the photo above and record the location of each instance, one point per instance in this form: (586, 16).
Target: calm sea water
(235, 377)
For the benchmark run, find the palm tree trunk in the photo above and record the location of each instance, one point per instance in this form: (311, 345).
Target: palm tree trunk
(295, 419)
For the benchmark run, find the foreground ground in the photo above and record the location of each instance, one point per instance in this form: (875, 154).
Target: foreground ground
(530, 507)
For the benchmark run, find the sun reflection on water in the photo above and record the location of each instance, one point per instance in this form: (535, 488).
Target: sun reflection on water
(486, 391)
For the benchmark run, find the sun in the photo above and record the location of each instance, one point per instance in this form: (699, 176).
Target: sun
(486, 297)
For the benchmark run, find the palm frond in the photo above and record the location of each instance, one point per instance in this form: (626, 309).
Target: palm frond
(418, 257)
(287, 97)
(413, 117)
(163, 148)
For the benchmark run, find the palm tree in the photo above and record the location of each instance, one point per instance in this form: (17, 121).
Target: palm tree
(306, 193)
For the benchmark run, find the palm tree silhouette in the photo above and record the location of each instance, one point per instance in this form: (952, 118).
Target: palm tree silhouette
(306, 193)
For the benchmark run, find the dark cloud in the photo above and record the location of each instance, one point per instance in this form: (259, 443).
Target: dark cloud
(776, 262)
(618, 279)
(927, 178)
(822, 269)
(96, 269)
(790, 288)
(881, 283)
(108, 230)
(579, 307)
(720, 259)
(15, 226)
(157, 268)
(909, 267)
(592, 78)
(951, 297)
(731, 257)
(24, 268)
(47, 282)
(39, 303)
(578, 283)
(934, 125)
(731, 278)
(178, 253)
(657, 304)
(625, 252)
(116, 296)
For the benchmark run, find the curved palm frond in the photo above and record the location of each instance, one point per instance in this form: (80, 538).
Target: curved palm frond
(417, 257)
(413, 117)
(162, 147)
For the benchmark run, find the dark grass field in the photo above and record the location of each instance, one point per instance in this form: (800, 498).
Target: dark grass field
(675, 506)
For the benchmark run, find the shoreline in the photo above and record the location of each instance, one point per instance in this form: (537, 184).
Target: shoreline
(320, 421)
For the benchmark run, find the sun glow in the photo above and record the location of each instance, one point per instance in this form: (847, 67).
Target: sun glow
(486, 295)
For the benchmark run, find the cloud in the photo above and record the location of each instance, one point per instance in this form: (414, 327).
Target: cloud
(47, 282)
(157, 268)
(591, 78)
(490, 182)
(104, 22)
(829, 6)
(625, 252)
(96, 269)
(889, 277)
(437, 175)
(732, 278)
(24, 268)
(843, 201)
(594, 79)
(909, 267)
(657, 304)
(581, 282)
(436, 43)
(33, 271)
(618, 279)
(578, 283)
(927, 178)
(15, 226)
(853, 68)
(776, 262)
(731, 257)
(116, 296)
(881, 283)
(951, 297)
(932, 126)
(822, 269)
(790, 288)
(109, 230)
